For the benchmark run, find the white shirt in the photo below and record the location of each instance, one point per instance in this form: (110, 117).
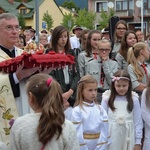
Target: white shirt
(24, 135)
(75, 43)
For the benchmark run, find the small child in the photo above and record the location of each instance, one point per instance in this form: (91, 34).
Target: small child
(145, 109)
(124, 113)
(46, 128)
(89, 118)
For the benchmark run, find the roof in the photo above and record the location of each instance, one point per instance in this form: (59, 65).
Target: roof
(29, 15)
(7, 7)
(26, 5)
(13, 8)
(66, 10)
(78, 3)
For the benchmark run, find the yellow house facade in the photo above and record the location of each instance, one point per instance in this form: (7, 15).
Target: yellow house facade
(28, 11)
(52, 9)
(44, 6)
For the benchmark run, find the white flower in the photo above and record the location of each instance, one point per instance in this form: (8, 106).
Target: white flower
(120, 120)
(135, 94)
(106, 93)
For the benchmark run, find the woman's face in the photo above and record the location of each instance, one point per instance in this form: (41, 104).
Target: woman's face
(27, 36)
(120, 30)
(94, 40)
(62, 41)
(43, 40)
(131, 39)
(146, 52)
(83, 40)
(20, 43)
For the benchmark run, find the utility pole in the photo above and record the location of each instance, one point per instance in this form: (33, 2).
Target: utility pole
(37, 21)
(142, 16)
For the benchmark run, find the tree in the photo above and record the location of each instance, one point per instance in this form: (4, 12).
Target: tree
(22, 0)
(68, 21)
(85, 19)
(70, 5)
(105, 16)
(48, 19)
(22, 22)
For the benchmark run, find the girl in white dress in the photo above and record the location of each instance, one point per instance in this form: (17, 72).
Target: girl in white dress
(145, 110)
(46, 128)
(89, 118)
(124, 114)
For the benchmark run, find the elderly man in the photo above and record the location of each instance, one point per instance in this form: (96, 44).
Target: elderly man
(11, 102)
(75, 40)
(140, 35)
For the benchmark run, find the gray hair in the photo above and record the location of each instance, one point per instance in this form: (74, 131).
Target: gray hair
(7, 16)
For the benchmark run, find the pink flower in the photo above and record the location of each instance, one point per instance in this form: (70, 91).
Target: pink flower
(115, 78)
(11, 122)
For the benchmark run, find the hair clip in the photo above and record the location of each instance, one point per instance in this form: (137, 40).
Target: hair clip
(118, 78)
(48, 82)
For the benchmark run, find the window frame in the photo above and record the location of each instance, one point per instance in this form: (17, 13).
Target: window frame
(23, 11)
(128, 5)
(100, 9)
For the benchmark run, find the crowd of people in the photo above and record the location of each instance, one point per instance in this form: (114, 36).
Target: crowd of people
(101, 102)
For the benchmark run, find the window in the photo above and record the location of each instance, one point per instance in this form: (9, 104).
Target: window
(101, 6)
(131, 5)
(146, 4)
(124, 5)
(23, 11)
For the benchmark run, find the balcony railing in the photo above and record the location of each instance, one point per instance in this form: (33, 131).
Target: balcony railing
(146, 12)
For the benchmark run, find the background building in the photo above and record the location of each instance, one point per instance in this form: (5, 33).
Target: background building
(126, 10)
(27, 10)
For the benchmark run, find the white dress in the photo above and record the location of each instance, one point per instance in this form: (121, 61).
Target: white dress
(91, 124)
(146, 117)
(125, 128)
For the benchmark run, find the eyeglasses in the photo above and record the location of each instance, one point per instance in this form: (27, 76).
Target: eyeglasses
(104, 49)
(139, 34)
(121, 29)
(12, 28)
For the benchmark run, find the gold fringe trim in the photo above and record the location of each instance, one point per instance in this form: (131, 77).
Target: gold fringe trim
(102, 143)
(83, 144)
(76, 122)
(91, 136)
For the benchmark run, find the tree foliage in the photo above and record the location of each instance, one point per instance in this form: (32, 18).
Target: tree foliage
(21, 0)
(22, 21)
(68, 21)
(70, 5)
(85, 19)
(105, 16)
(49, 20)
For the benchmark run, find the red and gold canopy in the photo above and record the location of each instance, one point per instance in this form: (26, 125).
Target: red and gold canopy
(49, 60)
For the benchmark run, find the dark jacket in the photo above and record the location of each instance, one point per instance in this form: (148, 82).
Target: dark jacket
(74, 77)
